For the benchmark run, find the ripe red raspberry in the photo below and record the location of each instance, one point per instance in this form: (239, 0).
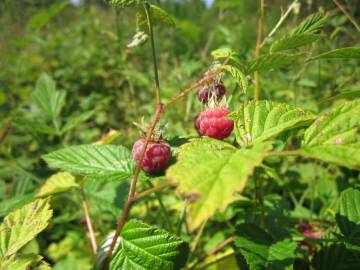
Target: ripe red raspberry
(212, 123)
(205, 93)
(156, 157)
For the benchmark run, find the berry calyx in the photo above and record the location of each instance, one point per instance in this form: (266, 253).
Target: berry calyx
(213, 123)
(207, 91)
(157, 155)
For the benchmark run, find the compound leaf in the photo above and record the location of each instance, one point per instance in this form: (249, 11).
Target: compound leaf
(21, 226)
(335, 137)
(294, 41)
(260, 252)
(312, 24)
(145, 247)
(211, 172)
(348, 216)
(258, 121)
(343, 53)
(238, 75)
(102, 161)
(76, 120)
(47, 98)
(57, 183)
(272, 61)
(158, 16)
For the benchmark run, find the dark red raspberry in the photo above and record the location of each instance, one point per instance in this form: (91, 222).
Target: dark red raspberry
(204, 93)
(156, 157)
(308, 231)
(212, 123)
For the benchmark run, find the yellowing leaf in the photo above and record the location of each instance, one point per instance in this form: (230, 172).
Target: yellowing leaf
(335, 137)
(211, 173)
(57, 183)
(21, 226)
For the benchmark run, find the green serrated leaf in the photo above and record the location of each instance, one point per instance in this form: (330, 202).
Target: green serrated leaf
(24, 262)
(348, 216)
(13, 203)
(312, 24)
(258, 121)
(335, 137)
(57, 183)
(97, 161)
(106, 196)
(47, 98)
(272, 61)
(335, 257)
(238, 75)
(345, 95)
(260, 252)
(211, 172)
(281, 255)
(35, 126)
(222, 53)
(21, 226)
(294, 41)
(145, 247)
(75, 120)
(343, 53)
(158, 17)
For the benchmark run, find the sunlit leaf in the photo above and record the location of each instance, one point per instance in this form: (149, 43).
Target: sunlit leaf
(294, 41)
(145, 247)
(57, 183)
(258, 121)
(238, 75)
(211, 173)
(343, 53)
(335, 137)
(21, 226)
(312, 24)
(103, 161)
(47, 98)
(272, 61)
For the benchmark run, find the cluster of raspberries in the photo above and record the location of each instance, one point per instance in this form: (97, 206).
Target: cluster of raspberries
(212, 122)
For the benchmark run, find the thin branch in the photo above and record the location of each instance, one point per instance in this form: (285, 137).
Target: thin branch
(279, 23)
(162, 208)
(215, 250)
(132, 192)
(219, 259)
(153, 51)
(347, 14)
(89, 226)
(257, 49)
(189, 89)
(152, 190)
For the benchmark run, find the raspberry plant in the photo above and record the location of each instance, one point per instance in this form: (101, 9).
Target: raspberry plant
(210, 172)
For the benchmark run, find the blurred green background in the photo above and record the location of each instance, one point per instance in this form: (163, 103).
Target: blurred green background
(82, 46)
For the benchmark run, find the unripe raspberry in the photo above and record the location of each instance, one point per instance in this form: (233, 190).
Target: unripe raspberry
(204, 94)
(213, 123)
(156, 158)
